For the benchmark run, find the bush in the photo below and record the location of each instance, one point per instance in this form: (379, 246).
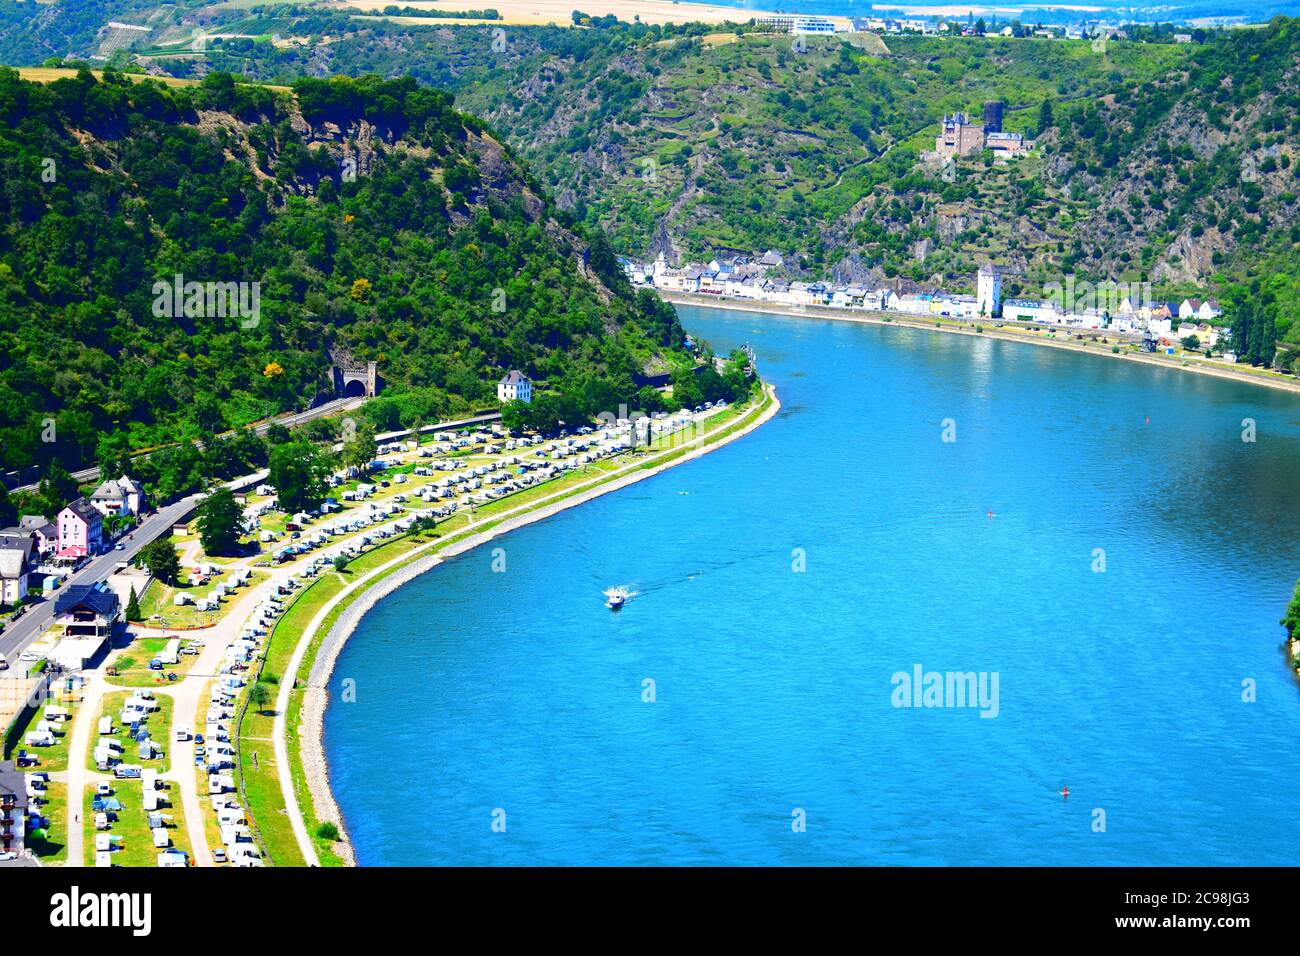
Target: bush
(327, 831)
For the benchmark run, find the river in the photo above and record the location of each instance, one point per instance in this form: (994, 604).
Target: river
(1096, 536)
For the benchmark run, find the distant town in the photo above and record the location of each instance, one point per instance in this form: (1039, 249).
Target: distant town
(1117, 308)
(811, 25)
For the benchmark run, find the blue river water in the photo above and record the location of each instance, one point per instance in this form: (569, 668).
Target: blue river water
(1098, 536)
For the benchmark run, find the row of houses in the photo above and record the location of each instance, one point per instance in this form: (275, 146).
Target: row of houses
(742, 278)
(76, 532)
(1159, 318)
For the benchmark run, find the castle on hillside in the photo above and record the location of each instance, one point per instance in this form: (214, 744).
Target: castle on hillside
(958, 136)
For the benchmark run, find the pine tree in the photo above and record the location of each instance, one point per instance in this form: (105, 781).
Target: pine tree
(133, 606)
(1241, 323)
(1257, 337)
(1045, 119)
(1268, 345)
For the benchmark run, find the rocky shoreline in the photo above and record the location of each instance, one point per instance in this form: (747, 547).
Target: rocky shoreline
(315, 764)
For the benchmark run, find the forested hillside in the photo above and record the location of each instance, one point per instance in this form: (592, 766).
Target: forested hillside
(358, 219)
(1155, 161)
(1171, 163)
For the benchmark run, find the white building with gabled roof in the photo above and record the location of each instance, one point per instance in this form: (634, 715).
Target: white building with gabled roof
(515, 386)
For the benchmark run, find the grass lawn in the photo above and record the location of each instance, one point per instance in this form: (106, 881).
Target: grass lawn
(159, 726)
(54, 848)
(135, 847)
(53, 759)
(265, 803)
(158, 610)
(132, 665)
(259, 774)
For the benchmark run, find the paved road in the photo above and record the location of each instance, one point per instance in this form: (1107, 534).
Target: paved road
(83, 728)
(31, 625)
(289, 420)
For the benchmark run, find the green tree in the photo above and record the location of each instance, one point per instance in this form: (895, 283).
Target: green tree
(58, 487)
(1257, 335)
(133, 606)
(1291, 620)
(113, 452)
(686, 389)
(162, 560)
(359, 450)
(514, 415)
(1268, 337)
(219, 522)
(1045, 118)
(259, 696)
(8, 513)
(1242, 321)
(298, 470)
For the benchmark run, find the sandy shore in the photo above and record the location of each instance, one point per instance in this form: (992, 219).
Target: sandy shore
(898, 319)
(315, 697)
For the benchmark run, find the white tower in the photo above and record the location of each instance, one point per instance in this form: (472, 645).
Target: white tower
(988, 291)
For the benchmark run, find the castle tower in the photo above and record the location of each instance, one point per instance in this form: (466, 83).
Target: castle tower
(993, 117)
(988, 291)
